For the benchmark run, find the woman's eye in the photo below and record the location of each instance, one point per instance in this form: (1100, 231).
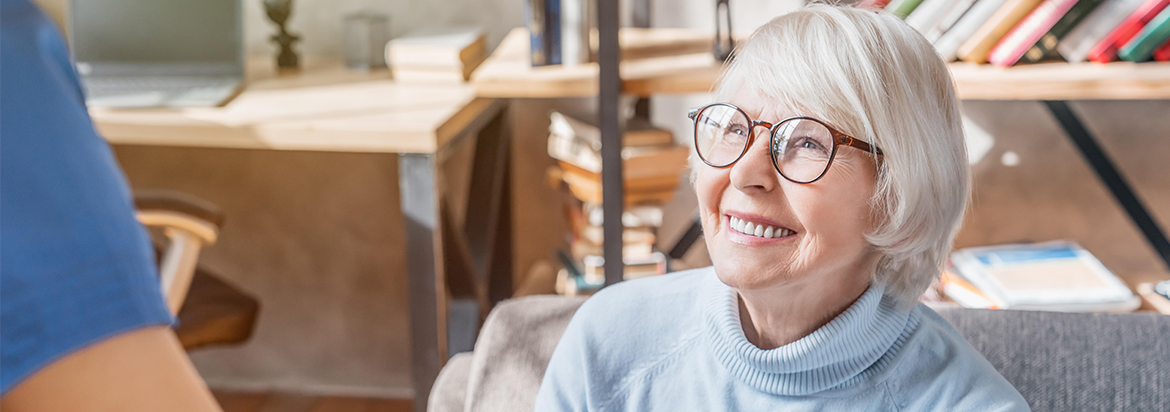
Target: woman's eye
(738, 129)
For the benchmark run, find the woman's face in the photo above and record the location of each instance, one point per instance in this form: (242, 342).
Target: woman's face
(828, 218)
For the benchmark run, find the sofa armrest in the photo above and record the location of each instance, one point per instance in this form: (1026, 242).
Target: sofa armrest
(449, 393)
(513, 349)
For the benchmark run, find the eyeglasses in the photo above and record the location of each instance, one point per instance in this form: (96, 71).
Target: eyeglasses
(802, 148)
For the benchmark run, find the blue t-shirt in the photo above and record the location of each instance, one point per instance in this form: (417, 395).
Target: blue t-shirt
(75, 266)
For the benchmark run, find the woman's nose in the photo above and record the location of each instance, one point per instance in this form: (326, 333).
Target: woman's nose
(754, 172)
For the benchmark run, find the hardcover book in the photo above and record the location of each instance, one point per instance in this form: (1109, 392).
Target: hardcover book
(978, 46)
(1106, 50)
(1103, 19)
(1156, 32)
(1011, 48)
(965, 27)
(1047, 44)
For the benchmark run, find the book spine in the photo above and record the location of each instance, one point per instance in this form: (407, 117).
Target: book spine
(553, 30)
(976, 48)
(1076, 44)
(949, 43)
(902, 8)
(1106, 50)
(534, 19)
(872, 4)
(949, 19)
(1162, 53)
(1153, 35)
(1047, 43)
(1011, 48)
(574, 32)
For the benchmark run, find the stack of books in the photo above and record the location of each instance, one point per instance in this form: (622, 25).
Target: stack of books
(1054, 276)
(1007, 32)
(436, 55)
(652, 169)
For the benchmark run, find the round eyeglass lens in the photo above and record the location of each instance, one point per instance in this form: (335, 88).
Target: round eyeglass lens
(801, 149)
(721, 133)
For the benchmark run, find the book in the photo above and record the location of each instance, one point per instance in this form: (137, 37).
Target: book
(580, 145)
(929, 15)
(580, 248)
(575, 285)
(641, 215)
(1075, 45)
(1142, 46)
(872, 4)
(1162, 53)
(534, 20)
(451, 48)
(630, 235)
(634, 135)
(902, 8)
(948, 45)
(957, 11)
(976, 48)
(653, 265)
(1056, 276)
(552, 30)
(434, 75)
(1046, 46)
(1106, 50)
(587, 187)
(1028, 31)
(575, 18)
(963, 292)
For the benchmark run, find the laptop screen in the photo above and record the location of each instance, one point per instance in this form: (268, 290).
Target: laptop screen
(163, 36)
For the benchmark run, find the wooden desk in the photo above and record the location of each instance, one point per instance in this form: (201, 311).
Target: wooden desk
(329, 109)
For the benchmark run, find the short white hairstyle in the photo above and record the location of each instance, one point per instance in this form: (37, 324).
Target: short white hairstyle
(873, 77)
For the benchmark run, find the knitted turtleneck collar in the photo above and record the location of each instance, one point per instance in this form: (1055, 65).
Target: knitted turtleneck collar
(856, 344)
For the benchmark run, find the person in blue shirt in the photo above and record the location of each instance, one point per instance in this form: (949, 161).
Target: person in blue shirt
(831, 178)
(83, 326)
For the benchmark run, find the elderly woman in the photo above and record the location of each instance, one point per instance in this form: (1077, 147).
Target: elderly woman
(832, 181)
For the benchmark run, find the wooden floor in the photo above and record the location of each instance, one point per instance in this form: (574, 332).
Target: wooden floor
(291, 402)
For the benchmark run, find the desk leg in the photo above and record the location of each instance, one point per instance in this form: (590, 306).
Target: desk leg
(419, 198)
(1108, 173)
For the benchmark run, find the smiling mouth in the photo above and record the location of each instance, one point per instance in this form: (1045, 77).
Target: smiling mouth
(758, 229)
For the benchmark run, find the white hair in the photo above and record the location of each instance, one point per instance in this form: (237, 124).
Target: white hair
(875, 78)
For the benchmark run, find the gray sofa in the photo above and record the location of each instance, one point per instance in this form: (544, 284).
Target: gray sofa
(1058, 361)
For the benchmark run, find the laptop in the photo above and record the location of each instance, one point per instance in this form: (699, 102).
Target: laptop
(158, 53)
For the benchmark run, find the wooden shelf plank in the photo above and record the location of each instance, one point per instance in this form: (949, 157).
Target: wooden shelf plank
(507, 74)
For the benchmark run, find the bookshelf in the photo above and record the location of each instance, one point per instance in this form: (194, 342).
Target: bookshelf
(678, 61)
(507, 74)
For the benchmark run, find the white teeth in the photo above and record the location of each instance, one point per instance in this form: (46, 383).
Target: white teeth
(757, 230)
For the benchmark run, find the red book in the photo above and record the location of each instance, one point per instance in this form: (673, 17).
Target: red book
(1106, 50)
(872, 4)
(1028, 31)
(1162, 53)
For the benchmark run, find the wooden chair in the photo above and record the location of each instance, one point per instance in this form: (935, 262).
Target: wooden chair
(210, 311)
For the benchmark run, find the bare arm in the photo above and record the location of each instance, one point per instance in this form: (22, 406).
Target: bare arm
(142, 370)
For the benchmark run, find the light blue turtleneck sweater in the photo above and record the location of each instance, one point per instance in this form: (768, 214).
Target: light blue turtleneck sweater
(675, 343)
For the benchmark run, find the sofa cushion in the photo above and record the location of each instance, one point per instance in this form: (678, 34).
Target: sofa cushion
(1058, 361)
(1075, 361)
